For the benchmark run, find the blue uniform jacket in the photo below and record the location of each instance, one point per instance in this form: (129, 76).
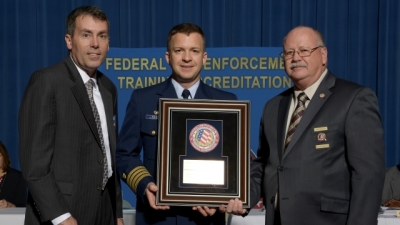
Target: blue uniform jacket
(139, 131)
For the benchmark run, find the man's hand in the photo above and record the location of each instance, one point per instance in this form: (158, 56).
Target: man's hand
(5, 204)
(10, 205)
(234, 207)
(205, 211)
(151, 190)
(120, 221)
(69, 221)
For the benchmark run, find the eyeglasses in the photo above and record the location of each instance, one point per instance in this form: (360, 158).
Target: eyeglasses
(303, 52)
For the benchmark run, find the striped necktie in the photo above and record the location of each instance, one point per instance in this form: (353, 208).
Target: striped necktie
(296, 117)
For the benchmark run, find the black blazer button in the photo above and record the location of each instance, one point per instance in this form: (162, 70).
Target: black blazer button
(280, 168)
(100, 161)
(273, 200)
(98, 187)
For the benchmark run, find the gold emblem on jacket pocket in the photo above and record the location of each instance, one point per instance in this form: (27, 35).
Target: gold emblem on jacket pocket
(319, 129)
(321, 137)
(322, 146)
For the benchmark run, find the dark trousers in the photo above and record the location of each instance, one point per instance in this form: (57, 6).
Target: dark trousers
(105, 215)
(277, 217)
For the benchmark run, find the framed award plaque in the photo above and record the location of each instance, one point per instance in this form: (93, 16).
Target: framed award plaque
(203, 152)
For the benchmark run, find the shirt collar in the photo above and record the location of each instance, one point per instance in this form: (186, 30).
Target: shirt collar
(179, 89)
(310, 91)
(84, 75)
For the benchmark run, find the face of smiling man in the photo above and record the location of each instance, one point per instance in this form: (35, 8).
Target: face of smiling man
(186, 56)
(89, 44)
(304, 70)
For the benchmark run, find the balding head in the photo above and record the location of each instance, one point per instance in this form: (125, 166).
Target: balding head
(305, 56)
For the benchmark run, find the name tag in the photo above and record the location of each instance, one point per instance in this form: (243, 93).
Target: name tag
(151, 117)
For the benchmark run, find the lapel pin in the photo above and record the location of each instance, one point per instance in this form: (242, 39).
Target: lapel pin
(321, 137)
(322, 95)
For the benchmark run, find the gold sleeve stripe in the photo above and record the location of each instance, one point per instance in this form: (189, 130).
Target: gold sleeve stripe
(135, 176)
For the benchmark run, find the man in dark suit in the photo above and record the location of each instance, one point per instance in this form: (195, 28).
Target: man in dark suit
(68, 134)
(186, 56)
(329, 168)
(391, 187)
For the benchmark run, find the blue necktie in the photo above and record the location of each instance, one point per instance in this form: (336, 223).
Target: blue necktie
(186, 94)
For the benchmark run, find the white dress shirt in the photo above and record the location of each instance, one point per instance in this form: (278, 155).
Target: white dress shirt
(310, 91)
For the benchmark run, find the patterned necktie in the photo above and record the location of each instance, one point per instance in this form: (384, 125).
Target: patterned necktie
(296, 117)
(185, 94)
(89, 88)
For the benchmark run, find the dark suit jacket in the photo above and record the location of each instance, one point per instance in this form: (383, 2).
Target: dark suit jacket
(331, 182)
(391, 187)
(138, 131)
(13, 188)
(60, 150)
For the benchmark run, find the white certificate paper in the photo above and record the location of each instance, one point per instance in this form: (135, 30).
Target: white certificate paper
(204, 172)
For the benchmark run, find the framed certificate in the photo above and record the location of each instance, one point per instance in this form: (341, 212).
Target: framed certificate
(203, 152)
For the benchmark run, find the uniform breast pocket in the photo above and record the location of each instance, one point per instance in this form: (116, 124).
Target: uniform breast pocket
(149, 135)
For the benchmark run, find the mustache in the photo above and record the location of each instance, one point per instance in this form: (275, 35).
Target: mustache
(298, 64)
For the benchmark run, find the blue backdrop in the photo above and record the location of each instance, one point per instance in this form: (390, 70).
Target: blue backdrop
(252, 73)
(362, 39)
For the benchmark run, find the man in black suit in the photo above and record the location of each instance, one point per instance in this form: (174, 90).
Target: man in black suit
(68, 134)
(321, 155)
(391, 187)
(186, 55)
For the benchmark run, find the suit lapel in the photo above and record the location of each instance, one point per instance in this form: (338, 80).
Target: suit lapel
(318, 100)
(284, 105)
(202, 92)
(167, 90)
(107, 98)
(81, 96)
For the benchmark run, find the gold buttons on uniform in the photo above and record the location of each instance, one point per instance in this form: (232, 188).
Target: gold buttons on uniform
(153, 132)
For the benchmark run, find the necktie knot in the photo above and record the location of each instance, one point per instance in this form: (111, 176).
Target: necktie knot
(302, 97)
(185, 94)
(89, 84)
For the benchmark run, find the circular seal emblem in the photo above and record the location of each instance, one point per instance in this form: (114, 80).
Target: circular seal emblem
(204, 137)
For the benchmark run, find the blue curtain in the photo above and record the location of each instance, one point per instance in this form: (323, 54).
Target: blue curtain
(361, 36)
